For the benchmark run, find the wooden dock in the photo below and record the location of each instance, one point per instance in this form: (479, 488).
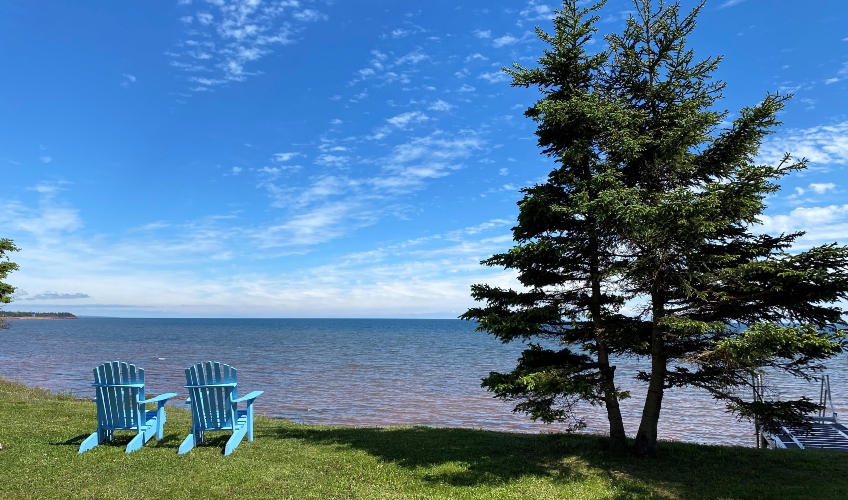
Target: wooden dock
(823, 433)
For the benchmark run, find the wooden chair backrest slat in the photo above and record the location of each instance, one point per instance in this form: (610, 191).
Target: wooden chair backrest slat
(118, 385)
(212, 387)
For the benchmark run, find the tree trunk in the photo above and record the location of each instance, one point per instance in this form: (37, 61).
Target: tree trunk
(618, 438)
(646, 438)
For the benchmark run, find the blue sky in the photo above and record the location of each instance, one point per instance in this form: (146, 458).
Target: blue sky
(316, 158)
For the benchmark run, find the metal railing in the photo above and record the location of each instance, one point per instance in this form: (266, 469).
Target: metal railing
(825, 400)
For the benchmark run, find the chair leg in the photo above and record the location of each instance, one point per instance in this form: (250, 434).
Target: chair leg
(250, 420)
(90, 442)
(235, 440)
(187, 444)
(136, 442)
(160, 421)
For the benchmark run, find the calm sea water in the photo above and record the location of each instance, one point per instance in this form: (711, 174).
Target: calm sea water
(348, 371)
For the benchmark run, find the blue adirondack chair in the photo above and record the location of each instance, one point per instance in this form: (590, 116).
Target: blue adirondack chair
(119, 389)
(213, 396)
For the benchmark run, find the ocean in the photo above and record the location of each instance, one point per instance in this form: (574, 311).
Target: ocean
(363, 372)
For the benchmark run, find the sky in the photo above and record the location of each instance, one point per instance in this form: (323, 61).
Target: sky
(312, 158)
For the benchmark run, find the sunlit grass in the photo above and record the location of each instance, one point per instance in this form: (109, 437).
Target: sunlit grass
(40, 434)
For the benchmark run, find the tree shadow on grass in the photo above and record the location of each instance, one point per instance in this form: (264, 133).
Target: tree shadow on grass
(465, 458)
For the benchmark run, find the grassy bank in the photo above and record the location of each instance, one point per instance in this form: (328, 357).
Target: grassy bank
(40, 433)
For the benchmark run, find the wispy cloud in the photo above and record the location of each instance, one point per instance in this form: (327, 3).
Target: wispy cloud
(332, 160)
(414, 57)
(495, 77)
(821, 224)
(183, 268)
(823, 145)
(536, 12)
(234, 34)
(128, 79)
(800, 195)
(46, 222)
(57, 296)
(45, 159)
(729, 3)
(423, 158)
(383, 70)
(487, 225)
(405, 119)
(823, 187)
(505, 40)
(281, 157)
(840, 75)
(440, 105)
(333, 205)
(309, 15)
(409, 29)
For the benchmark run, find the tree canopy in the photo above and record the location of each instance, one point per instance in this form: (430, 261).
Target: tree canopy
(643, 240)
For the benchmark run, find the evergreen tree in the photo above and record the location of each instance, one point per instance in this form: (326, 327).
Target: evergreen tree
(652, 203)
(564, 257)
(6, 266)
(722, 302)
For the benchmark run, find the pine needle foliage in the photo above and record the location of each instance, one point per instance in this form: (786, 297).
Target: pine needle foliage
(6, 266)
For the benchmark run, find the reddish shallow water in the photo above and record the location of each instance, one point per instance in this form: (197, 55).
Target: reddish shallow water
(349, 372)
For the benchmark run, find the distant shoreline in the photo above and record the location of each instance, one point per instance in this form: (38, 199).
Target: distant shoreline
(14, 315)
(16, 318)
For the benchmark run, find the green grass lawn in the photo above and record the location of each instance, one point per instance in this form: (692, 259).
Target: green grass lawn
(41, 432)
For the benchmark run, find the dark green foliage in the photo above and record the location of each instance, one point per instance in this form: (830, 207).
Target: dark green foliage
(6, 266)
(30, 314)
(652, 205)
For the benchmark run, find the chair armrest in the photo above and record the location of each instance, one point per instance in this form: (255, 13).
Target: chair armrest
(252, 395)
(188, 401)
(161, 397)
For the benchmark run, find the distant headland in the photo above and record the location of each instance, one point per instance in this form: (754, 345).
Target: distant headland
(35, 315)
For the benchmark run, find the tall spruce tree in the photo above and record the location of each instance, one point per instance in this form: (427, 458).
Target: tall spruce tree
(565, 258)
(654, 204)
(722, 302)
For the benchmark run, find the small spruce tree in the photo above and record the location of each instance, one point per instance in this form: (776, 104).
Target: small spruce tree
(6, 266)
